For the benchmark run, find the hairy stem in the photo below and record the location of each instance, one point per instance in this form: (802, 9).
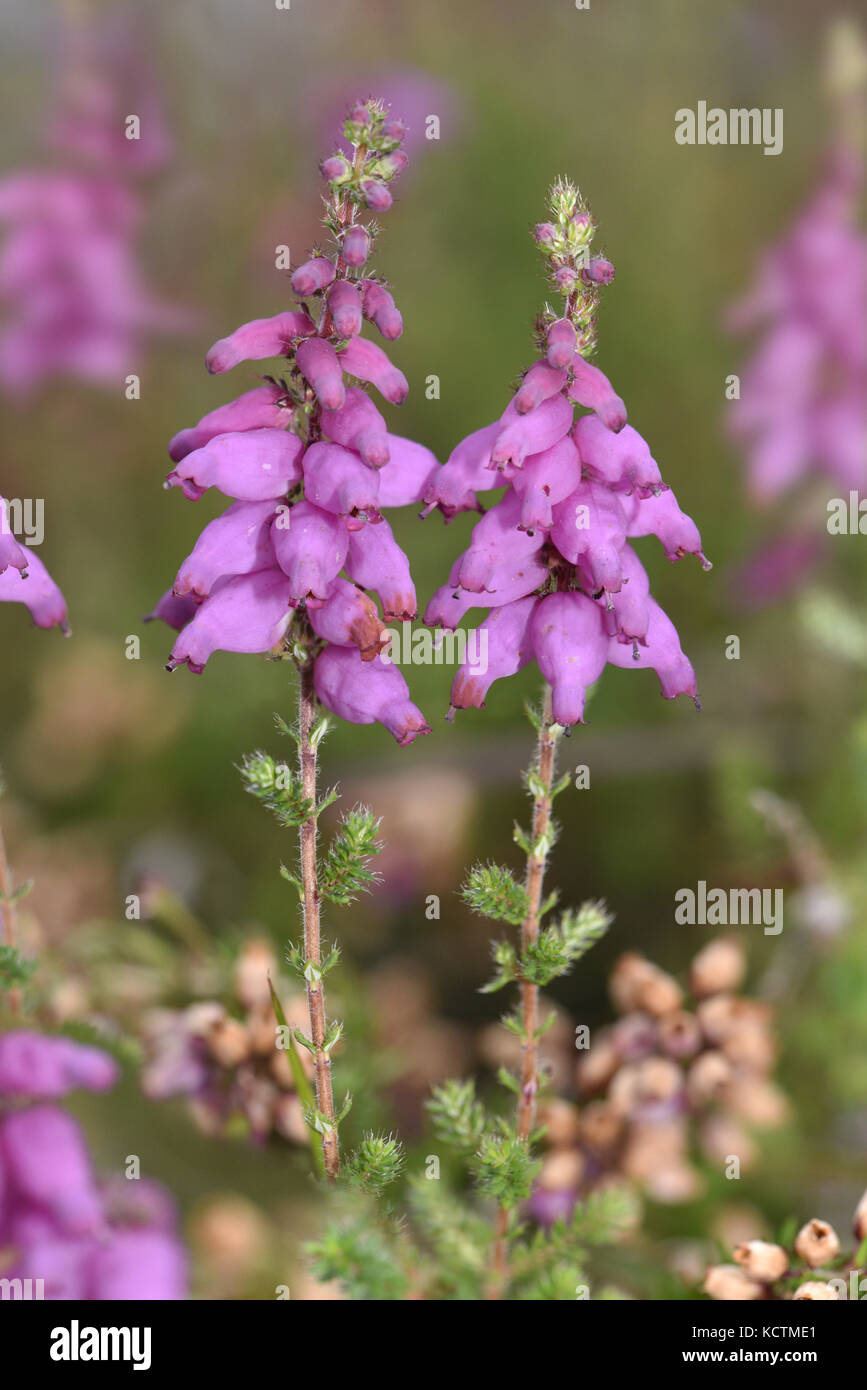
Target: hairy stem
(312, 945)
(544, 768)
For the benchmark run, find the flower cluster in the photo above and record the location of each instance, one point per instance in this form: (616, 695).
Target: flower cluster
(802, 398)
(814, 1270)
(670, 1070)
(311, 465)
(552, 558)
(74, 296)
(85, 1240)
(24, 578)
(225, 1060)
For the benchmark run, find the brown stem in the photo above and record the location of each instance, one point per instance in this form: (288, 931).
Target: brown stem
(526, 1116)
(530, 926)
(312, 945)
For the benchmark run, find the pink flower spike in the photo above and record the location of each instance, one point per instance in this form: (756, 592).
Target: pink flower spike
(247, 613)
(356, 246)
(376, 195)
(380, 308)
(540, 382)
(312, 276)
(367, 692)
(344, 305)
(349, 618)
(376, 561)
(544, 480)
(571, 647)
(508, 583)
(138, 1265)
(252, 467)
(368, 362)
(310, 549)
(256, 409)
(561, 344)
(591, 388)
(238, 542)
(502, 648)
(521, 435)
(358, 425)
(404, 479)
(37, 591)
(259, 339)
(318, 363)
(590, 526)
(662, 654)
(339, 481)
(627, 613)
(598, 272)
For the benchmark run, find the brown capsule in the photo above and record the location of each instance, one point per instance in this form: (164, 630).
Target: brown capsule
(229, 1232)
(761, 1260)
(659, 1078)
(723, 1139)
(815, 1292)
(751, 1046)
(757, 1101)
(289, 1120)
(562, 1123)
(595, 1069)
(677, 1183)
(562, 1171)
(601, 1127)
(729, 1284)
(228, 1043)
(719, 966)
(860, 1221)
(816, 1243)
(680, 1034)
(651, 1148)
(708, 1077)
(638, 984)
(256, 964)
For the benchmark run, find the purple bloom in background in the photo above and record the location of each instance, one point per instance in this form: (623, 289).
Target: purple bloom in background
(415, 94)
(57, 1223)
(801, 415)
(311, 464)
(552, 559)
(73, 296)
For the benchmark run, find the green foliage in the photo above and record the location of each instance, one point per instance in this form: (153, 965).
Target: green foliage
(492, 891)
(459, 1237)
(376, 1163)
(561, 945)
(506, 962)
(361, 1254)
(458, 1118)
(15, 971)
(504, 1169)
(344, 872)
(277, 788)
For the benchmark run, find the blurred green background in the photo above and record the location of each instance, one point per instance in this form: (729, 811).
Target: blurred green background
(114, 766)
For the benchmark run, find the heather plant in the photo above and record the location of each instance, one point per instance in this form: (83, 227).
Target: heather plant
(287, 569)
(804, 1265)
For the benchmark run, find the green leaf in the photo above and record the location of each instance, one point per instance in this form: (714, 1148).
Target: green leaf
(344, 872)
(506, 962)
(275, 785)
(458, 1117)
(559, 946)
(504, 1169)
(15, 970)
(376, 1163)
(302, 1086)
(492, 891)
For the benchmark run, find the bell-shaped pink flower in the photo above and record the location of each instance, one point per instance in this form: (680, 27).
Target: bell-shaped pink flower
(380, 308)
(662, 653)
(47, 1068)
(358, 425)
(367, 692)
(531, 433)
(496, 540)
(662, 517)
(376, 561)
(560, 343)
(349, 618)
(506, 584)
(258, 339)
(404, 478)
(37, 591)
(368, 362)
(311, 547)
(501, 646)
(11, 553)
(453, 487)
(571, 646)
(544, 480)
(255, 410)
(622, 461)
(319, 364)
(591, 388)
(338, 480)
(44, 1153)
(252, 467)
(590, 527)
(344, 306)
(138, 1266)
(247, 613)
(312, 276)
(238, 542)
(540, 383)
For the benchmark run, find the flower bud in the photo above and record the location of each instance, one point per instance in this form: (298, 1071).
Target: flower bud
(359, 114)
(228, 1043)
(356, 246)
(376, 195)
(391, 165)
(562, 1123)
(560, 344)
(601, 1127)
(680, 1034)
(565, 279)
(312, 276)
(335, 169)
(761, 1260)
(816, 1243)
(729, 1284)
(598, 272)
(815, 1292)
(582, 227)
(545, 233)
(707, 1078)
(718, 967)
(637, 983)
(394, 130)
(860, 1225)
(562, 1171)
